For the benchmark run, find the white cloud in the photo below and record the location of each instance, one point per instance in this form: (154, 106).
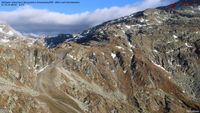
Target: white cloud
(28, 19)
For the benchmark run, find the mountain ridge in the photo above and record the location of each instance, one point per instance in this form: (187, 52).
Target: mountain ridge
(147, 62)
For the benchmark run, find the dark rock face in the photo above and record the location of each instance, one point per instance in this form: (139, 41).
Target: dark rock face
(197, 44)
(52, 42)
(147, 62)
(189, 1)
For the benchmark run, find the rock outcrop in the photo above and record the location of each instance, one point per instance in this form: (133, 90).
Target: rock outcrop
(147, 62)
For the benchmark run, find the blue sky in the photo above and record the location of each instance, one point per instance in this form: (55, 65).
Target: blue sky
(84, 5)
(71, 18)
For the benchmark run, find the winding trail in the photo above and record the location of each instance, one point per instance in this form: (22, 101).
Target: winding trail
(58, 101)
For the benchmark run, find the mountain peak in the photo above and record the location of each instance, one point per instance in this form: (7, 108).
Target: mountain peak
(181, 4)
(189, 1)
(8, 34)
(8, 31)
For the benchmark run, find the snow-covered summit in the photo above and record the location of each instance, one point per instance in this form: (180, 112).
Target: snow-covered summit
(7, 34)
(8, 31)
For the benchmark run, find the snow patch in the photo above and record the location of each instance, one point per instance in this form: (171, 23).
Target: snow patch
(116, 35)
(1, 29)
(159, 66)
(118, 25)
(155, 51)
(112, 71)
(107, 63)
(113, 55)
(139, 25)
(169, 42)
(141, 20)
(158, 21)
(170, 51)
(169, 62)
(176, 40)
(175, 37)
(119, 47)
(101, 32)
(39, 71)
(130, 45)
(4, 40)
(127, 26)
(71, 56)
(10, 33)
(2, 25)
(186, 44)
(30, 44)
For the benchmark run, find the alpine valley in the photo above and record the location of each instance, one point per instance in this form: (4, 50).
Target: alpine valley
(147, 62)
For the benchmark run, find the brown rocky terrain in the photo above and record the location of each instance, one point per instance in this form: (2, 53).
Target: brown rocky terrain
(148, 62)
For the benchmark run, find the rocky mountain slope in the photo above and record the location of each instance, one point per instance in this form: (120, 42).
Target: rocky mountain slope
(147, 62)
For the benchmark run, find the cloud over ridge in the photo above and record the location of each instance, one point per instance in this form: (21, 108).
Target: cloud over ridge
(31, 20)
